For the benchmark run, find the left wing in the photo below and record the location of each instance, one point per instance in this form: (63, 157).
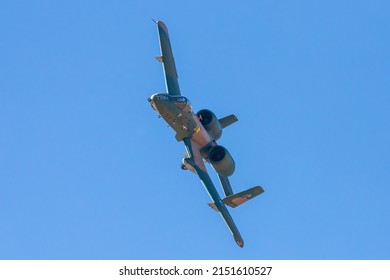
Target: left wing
(170, 73)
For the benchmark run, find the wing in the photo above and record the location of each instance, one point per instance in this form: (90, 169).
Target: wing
(217, 204)
(170, 73)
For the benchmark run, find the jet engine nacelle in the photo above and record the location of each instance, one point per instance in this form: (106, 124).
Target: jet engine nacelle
(221, 160)
(210, 123)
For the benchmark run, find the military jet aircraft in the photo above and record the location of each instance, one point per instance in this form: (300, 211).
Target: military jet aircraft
(199, 133)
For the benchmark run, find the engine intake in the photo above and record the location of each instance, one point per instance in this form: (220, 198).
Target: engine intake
(221, 160)
(210, 123)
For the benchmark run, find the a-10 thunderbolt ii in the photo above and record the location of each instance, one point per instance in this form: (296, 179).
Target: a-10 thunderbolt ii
(199, 133)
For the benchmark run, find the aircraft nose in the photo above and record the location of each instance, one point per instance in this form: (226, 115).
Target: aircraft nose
(152, 101)
(152, 98)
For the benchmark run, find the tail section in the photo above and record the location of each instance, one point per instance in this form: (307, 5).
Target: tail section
(237, 199)
(227, 188)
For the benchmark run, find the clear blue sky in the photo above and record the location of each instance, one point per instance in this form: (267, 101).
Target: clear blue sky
(88, 171)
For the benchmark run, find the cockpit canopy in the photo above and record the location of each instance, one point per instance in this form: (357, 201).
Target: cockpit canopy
(160, 96)
(180, 102)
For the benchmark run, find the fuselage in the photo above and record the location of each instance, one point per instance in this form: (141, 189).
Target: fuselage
(178, 114)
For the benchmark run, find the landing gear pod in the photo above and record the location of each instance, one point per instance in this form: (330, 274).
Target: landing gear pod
(187, 166)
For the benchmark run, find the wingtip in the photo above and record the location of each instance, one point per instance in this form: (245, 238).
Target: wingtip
(240, 243)
(161, 24)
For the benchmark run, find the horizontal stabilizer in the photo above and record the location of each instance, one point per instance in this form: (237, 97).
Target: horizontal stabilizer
(212, 205)
(237, 199)
(228, 120)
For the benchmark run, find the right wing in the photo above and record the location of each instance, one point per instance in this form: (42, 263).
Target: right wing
(170, 73)
(217, 203)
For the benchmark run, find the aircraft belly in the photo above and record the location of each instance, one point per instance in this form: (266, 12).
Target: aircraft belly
(197, 156)
(180, 121)
(201, 137)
